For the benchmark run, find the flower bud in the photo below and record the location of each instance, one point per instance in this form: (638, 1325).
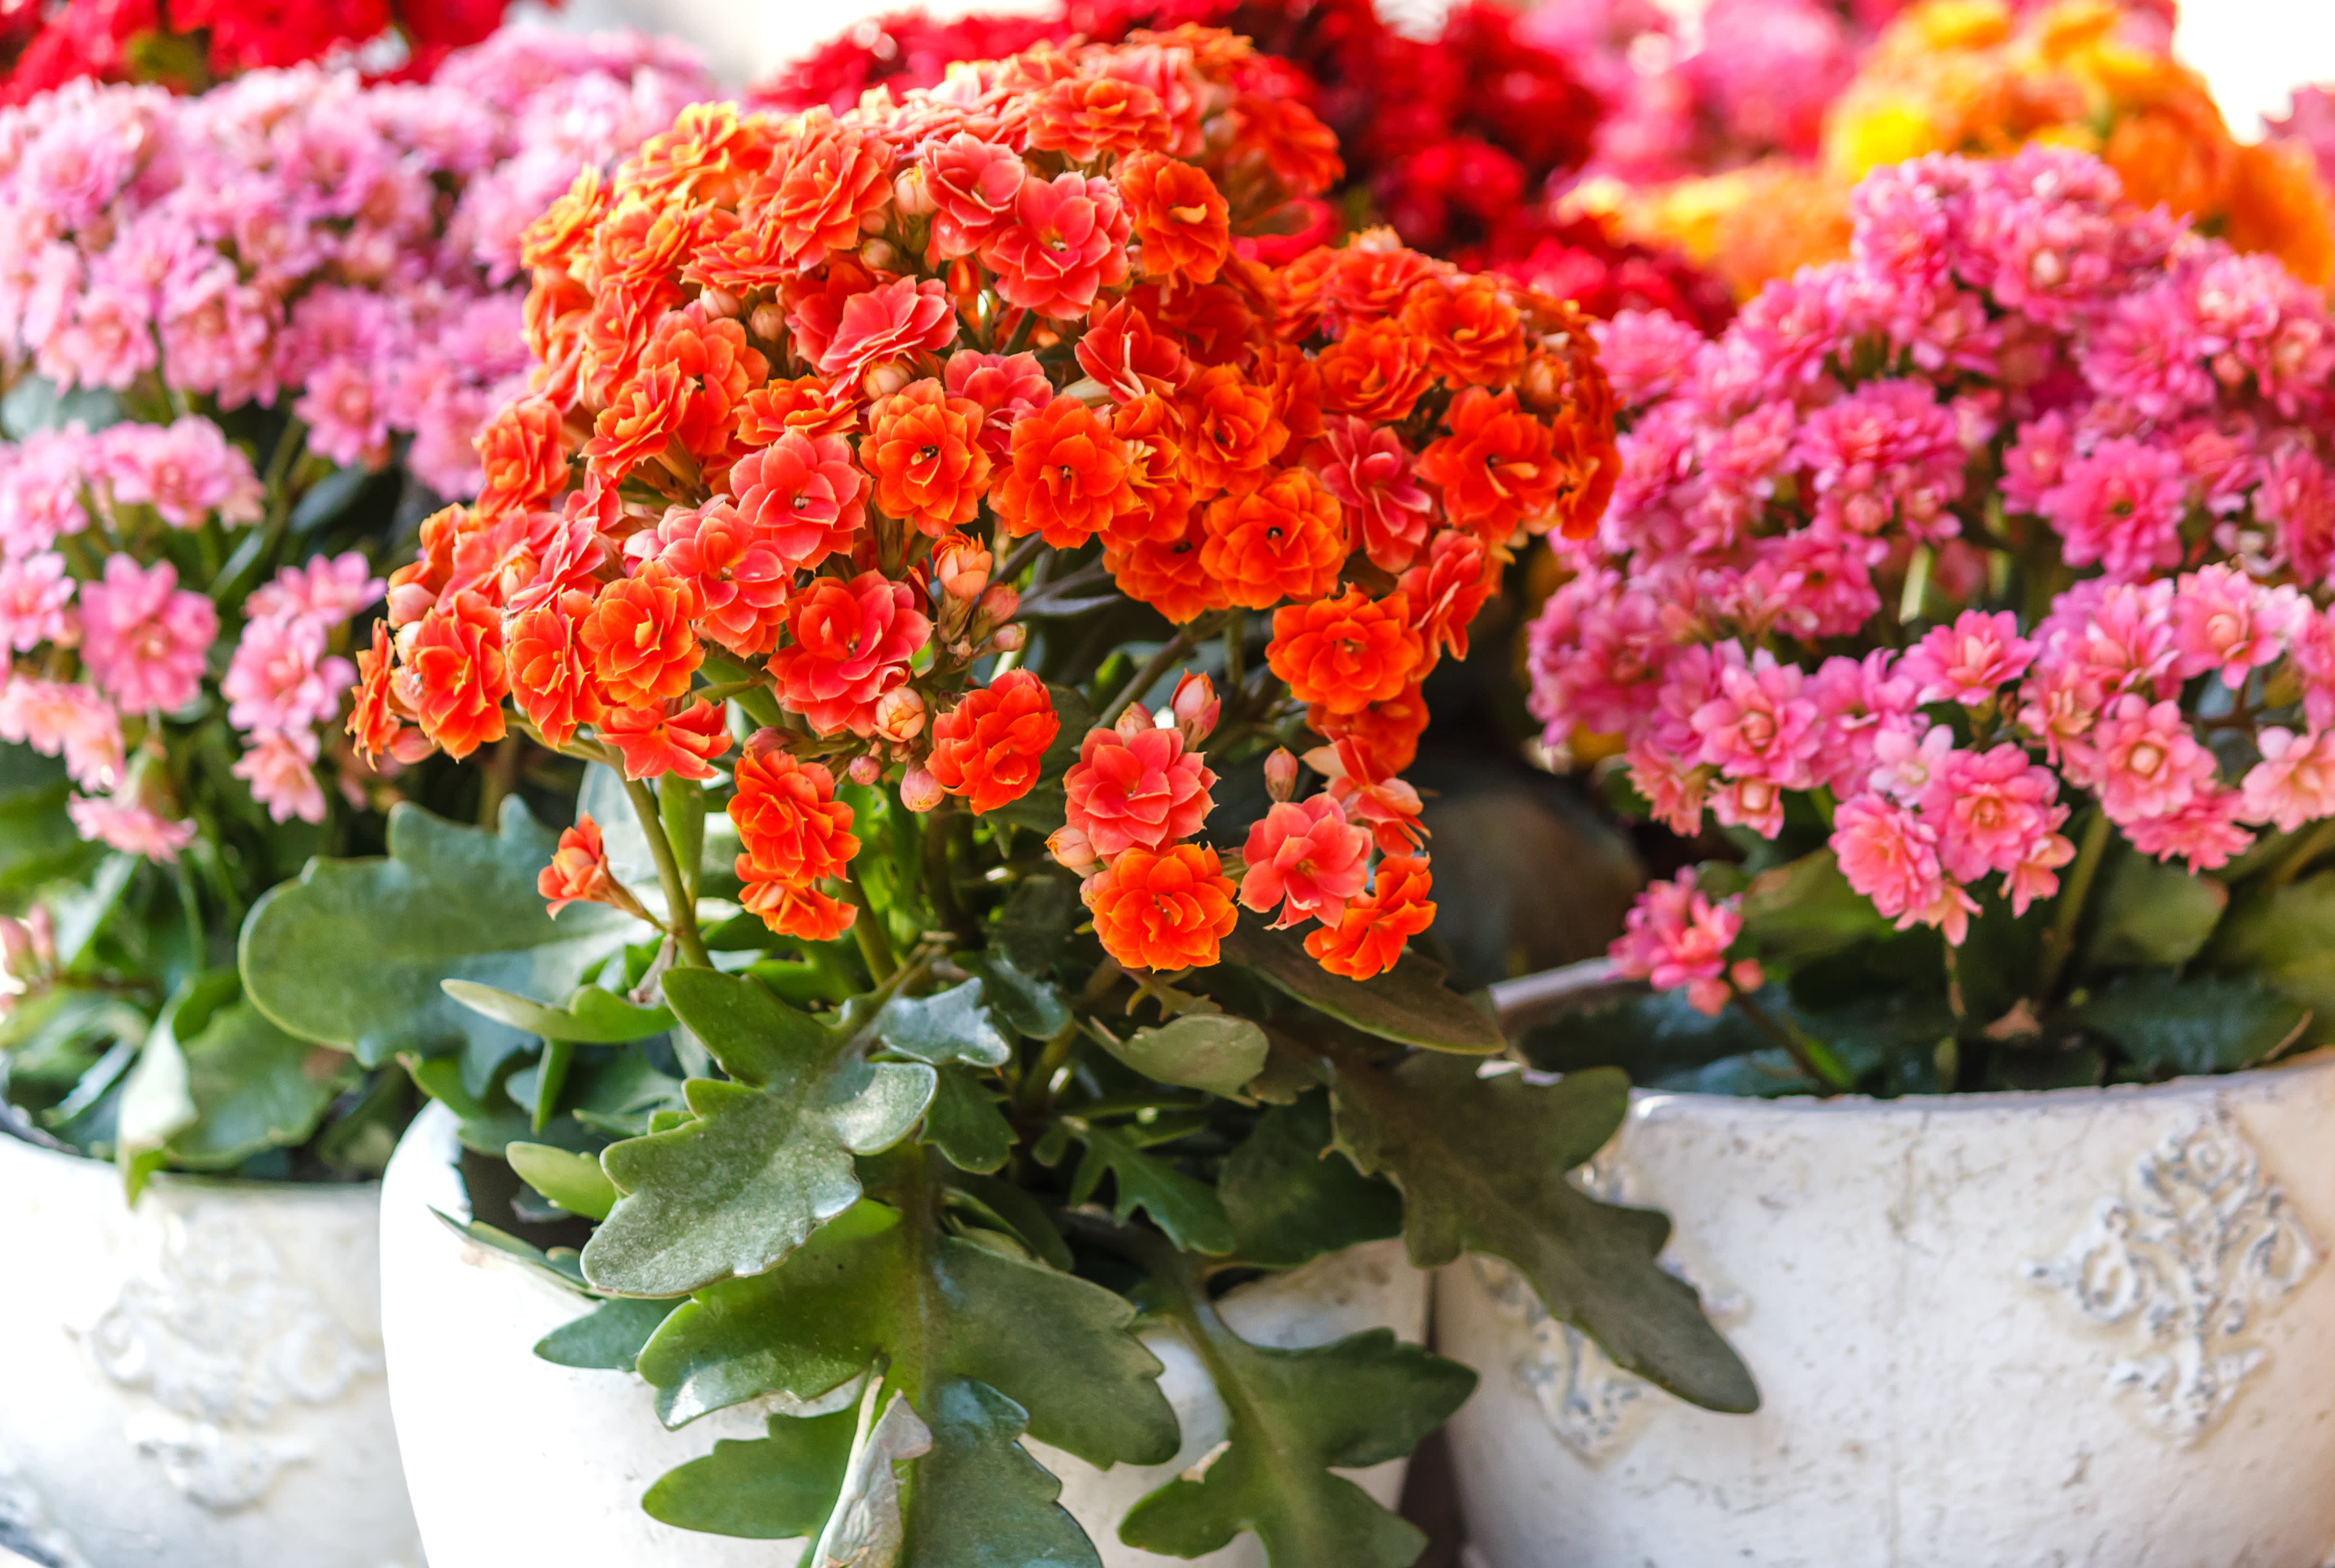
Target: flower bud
(865, 768)
(765, 740)
(920, 791)
(1134, 722)
(874, 222)
(960, 566)
(1072, 850)
(879, 254)
(998, 603)
(1541, 387)
(720, 303)
(16, 950)
(899, 714)
(1196, 708)
(884, 380)
(1010, 639)
(1281, 774)
(768, 323)
(45, 934)
(911, 195)
(1747, 974)
(408, 603)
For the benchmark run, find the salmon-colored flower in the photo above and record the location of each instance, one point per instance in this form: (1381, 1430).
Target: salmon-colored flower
(1294, 379)
(641, 243)
(1448, 588)
(1163, 910)
(378, 720)
(987, 748)
(1230, 434)
(1153, 436)
(741, 582)
(973, 184)
(578, 872)
(923, 449)
(1008, 387)
(639, 638)
(1286, 540)
(1375, 278)
(524, 451)
(1066, 241)
(679, 736)
(1179, 215)
(1345, 653)
(892, 320)
(802, 494)
(1377, 371)
(1083, 117)
(1386, 731)
(805, 914)
(1139, 791)
(1474, 336)
(717, 368)
(1121, 350)
(1294, 143)
(1365, 784)
(1067, 476)
(639, 423)
(1369, 470)
(807, 405)
(852, 643)
(550, 672)
(822, 181)
(553, 241)
(1304, 858)
(1369, 936)
(1171, 576)
(1495, 467)
(790, 826)
(458, 673)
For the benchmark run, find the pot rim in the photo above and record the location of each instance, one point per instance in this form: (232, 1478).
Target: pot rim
(1646, 1104)
(194, 1181)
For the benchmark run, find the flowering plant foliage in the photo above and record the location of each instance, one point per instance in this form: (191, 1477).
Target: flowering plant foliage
(925, 524)
(301, 269)
(1977, 584)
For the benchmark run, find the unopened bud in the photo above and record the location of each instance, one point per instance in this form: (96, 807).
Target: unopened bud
(879, 254)
(720, 303)
(1542, 385)
(884, 380)
(1010, 639)
(16, 949)
(408, 603)
(1134, 722)
(920, 791)
(998, 603)
(1072, 850)
(1195, 707)
(768, 323)
(765, 740)
(1281, 774)
(912, 195)
(873, 222)
(865, 770)
(899, 714)
(960, 566)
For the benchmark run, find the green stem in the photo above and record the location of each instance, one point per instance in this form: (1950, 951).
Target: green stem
(680, 910)
(939, 885)
(2059, 942)
(875, 943)
(2297, 856)
(1812, 1056)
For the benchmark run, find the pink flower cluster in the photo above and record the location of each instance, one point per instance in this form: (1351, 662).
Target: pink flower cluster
(297, 237)
(283, 689)
(2028, 504)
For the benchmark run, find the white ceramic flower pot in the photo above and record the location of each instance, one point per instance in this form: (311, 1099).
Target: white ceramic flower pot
(513, 1459)
(2084, 1327)
(196, 1382)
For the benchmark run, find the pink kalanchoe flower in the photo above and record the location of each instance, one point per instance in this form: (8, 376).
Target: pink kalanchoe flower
(144, 637)
(2294, 783)
(1677, 936)
(1905, 759)
(327, 589)
(1887, 452)
(1066, 240)
(36, 603)
(1006, 386)
(41, 484)
(2121, 506)
(185, 470)
(1645, 354)
(2223, 620)
(1139, 791)
(803, 495)
(1990, 810)
(972, 185)
(1304, 858)
(2204, 832)
(1890, 856)
(2297, 499)
(281, 769)
(1968, 661)
(903, 317)
(2143, 760)
(1369, 471)
(65, 718)
(1760, 723)
(126, 825)
(1857, 699)
(280, 679)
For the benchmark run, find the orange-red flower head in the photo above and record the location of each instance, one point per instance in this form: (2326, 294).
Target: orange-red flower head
(1285, 540)
(1345, 653)
(639, 638)
(1179, 216)
(1068, 476)
(458, 673)
(924, 450)
(1163, 910)
(988, 747)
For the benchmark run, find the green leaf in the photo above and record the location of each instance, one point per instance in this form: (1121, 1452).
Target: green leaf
(952, 1025)
(591, 1016)
(1037, 921)
(2286, 937)
(38, 842)
(1293, 1416)
(1023, 1214)
(964, 1123)
(1187, 1210)
(1034, 1007)
(1808, 910)
(938, 1308)
(781, 1487)
(255, 1087)
(979, 1500)
(558, 1266)
(1210, 1050)
(2152, 914)
(2170, 1025)
(1292, 1195)
(354, 952)
(573, 1181)
(1482, 1168)
(1409, 1003)
(608, 1338)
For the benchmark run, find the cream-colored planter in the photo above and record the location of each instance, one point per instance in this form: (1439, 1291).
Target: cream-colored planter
(195, 1382)
(512, 1459)
(2080, 1328)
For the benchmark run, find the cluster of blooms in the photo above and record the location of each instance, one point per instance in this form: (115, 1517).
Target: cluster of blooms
(822, 372)
(1454, 138)
(1952, 536)
(103, 646)
(296, 236)
(2309, 125)
(191, 43)
(1983, 77)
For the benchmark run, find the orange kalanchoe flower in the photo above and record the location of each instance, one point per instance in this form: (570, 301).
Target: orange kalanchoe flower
(1345, 653)
(1448, 588)
(578, 872)
(1495, 469)
(553, 242)
(805, 914)
(680, 737)
(1377, 371)
(803, 496)
(987, 748)
(852, 643)
(1084, 116)
(1231, 435)
(1285, 541)
(1296, 146)
(639, 423)
(524, 451)
(639, 638)
(1179, 214)
(1386, 732)
(1369, 936)
(810, 405)
(717, 368)
(1155, 472)
(551, 673)
(1163, 910)
(790, 826)
(820, 183)
(1067, 478)
(458, 673)
(1474, 336)
(1171, 576)
(378, 721)
(923, 448)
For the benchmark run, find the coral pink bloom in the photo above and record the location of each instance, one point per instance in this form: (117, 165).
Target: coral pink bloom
(1369, 470)
(902, 317)
(2038, 876)
(1066, 241)
(2294, 783)
(1903, 765)
(1990, 809)
(973, 184)
(741, 584)
(328, 589)
(280, 769)
(1142, 792)
(1759, 724)
(803, 495)
(36, 603)
(185, 470)
(65, 718)
(2143, 760)
(128, 826)
(2121, 506)
(1887, 854)
(280, 679)
(1677, 936)
(2204, 832)
(1307, 858)
(1967, 662)
(144, 637)
(2223, 620)
(1006, 386)
(678, 737)
(852, 643)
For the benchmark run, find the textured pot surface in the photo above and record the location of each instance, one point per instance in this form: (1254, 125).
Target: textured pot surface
(485, 1422)
(196, 1382)
(2039, 1330)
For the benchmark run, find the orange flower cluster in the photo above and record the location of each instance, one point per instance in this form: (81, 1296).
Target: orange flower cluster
(816, 394)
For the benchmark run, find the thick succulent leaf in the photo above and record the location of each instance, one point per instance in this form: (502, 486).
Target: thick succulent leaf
(979, 1501)
(1293, 1416)
(354, 952)
(952, 1025)
(1482, 1168)
(558, 1265)
(964, 1123)
(781, 1487)
(1210, 1050)
(1186, 1209)
(1037, 920)
(1293, 1196)
(2285, 936)
(874, 1283)
(1409, 1003)
(608, 1338)
(574, 1181)
(1033, 1006)
(2170, 1025)
(254, 1087)
(38, 842)
(591, 1017)
(2152, 914)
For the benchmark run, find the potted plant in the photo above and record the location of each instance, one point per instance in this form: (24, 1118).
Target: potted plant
(1963, 608)
(939, 538)
(247, 333)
